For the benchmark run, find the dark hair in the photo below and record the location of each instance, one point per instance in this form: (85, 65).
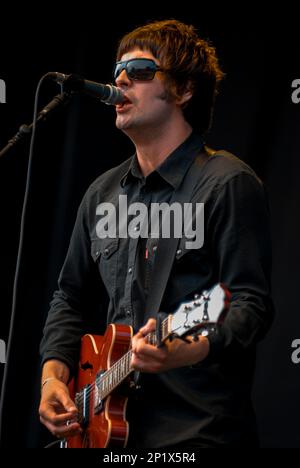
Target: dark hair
(189, 62)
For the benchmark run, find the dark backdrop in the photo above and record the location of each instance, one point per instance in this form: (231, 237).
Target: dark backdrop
(254, 118)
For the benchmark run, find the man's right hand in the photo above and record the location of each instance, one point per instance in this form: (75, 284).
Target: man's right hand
(57, 411)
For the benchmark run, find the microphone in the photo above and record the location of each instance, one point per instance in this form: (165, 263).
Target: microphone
(107, 93)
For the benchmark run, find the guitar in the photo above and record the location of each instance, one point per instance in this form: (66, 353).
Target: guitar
(105, 364)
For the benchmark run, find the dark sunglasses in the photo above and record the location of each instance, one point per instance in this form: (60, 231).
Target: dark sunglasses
(139, 69)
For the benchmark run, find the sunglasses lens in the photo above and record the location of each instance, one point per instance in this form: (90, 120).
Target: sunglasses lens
(137, 69)
(118, 69)
(141, 70)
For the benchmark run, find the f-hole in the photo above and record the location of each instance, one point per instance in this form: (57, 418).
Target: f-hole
(86, 365)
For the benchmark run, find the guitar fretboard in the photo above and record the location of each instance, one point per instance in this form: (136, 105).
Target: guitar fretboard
(118, 372)
(106, 382)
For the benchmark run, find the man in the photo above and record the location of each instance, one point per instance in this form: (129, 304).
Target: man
(192, 394)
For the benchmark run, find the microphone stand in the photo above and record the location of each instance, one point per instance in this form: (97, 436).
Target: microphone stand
(58, 101)
(24, 130)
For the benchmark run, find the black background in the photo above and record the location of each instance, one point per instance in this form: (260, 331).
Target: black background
(254, 118)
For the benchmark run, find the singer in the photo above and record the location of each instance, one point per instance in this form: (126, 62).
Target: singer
(192, 393)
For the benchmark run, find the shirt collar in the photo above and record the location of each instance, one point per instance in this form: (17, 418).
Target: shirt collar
(174, 167)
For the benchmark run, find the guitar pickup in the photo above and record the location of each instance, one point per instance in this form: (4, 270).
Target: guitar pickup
(82, 401)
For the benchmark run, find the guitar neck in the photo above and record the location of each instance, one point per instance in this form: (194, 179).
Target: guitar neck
(107, 382)
(191, 317)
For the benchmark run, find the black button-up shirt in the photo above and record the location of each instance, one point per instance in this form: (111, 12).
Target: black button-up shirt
(209, 403)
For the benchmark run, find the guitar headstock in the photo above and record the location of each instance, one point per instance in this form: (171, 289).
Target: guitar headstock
(207, 308)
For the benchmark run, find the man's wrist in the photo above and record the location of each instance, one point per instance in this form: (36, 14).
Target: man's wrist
(55, 369)
(48, 379)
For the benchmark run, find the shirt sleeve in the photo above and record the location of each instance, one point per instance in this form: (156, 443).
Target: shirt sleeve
(66, 319)
(238, 230)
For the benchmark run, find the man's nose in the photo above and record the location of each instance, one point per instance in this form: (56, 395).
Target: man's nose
(123, 79)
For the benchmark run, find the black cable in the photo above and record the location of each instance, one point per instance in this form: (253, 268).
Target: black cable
(55, 444)
(58, 100)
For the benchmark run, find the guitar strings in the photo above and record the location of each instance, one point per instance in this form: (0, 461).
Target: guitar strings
(115, 367)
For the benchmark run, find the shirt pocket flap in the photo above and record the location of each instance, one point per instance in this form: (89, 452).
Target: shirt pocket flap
(183, 247)
(104, 247)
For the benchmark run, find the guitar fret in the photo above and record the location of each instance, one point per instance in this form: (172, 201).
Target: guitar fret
(151, 338)
(165, 328)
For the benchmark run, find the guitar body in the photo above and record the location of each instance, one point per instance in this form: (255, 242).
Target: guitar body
(107, 427)
(105, 364)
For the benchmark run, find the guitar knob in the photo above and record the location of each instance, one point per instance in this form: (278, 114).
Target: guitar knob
(195, 337)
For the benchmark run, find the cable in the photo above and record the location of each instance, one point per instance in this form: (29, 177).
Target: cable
(20, 247)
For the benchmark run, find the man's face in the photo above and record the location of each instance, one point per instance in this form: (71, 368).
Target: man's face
(148, 109)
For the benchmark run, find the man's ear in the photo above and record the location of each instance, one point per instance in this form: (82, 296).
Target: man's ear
(185, 97)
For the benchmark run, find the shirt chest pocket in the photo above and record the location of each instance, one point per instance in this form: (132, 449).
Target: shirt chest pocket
(182, 249)
(105, 254)
(187, 258)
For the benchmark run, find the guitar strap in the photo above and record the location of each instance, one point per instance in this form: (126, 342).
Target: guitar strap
(166, 248)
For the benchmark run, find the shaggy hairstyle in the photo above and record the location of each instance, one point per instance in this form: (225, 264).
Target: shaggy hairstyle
(189, 63)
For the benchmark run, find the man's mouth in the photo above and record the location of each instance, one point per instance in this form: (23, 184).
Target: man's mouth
(124, 105)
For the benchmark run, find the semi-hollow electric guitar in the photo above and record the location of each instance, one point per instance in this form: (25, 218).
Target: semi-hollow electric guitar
(105, 364)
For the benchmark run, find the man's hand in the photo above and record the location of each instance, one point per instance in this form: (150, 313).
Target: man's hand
(177, 353)
(57, 411)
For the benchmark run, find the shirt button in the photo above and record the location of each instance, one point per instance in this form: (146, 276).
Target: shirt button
(178, 251)
(130, 270)
(106, 251)
(128, 313)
